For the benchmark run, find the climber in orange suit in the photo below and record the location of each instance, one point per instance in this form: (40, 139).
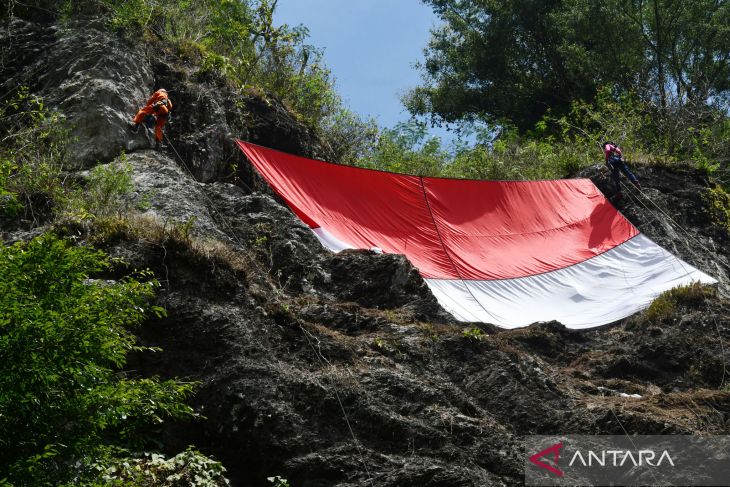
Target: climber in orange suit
(158, 107)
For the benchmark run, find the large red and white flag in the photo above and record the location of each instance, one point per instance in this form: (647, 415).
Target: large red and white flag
(504, 252)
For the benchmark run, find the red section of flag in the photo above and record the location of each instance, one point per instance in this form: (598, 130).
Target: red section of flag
(449, 228)
(507, 229)
(363, 208)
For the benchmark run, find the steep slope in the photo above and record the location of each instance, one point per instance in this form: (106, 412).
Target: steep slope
(341, 369)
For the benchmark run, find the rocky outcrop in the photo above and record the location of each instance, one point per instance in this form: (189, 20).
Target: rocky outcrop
(99, 79)
(673, 210)
(341, 369)
(94, 79)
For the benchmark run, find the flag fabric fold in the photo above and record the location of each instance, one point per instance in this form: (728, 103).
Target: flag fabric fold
(504, 252)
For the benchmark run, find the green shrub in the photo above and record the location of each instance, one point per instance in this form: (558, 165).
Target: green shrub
(63, 341)
(717, 204)
(189, 468)
(667, 303)
(660, 309)
(719, 199)
(407, 148)
(9, 204)
(32, 153)
(476, 334)
(348, 136)
(106, 187)
(278, 481)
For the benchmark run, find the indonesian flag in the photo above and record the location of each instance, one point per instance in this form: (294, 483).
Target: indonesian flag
(505, 252)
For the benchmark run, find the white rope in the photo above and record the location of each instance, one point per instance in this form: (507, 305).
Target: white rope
(322, 360)
(707, 309)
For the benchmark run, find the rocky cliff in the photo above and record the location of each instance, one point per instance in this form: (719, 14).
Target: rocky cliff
(342, 369)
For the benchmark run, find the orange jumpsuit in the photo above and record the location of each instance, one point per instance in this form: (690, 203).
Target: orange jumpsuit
(159, 105)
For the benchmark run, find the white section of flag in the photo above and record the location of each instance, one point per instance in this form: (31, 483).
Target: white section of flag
(330, 241)
(598, 291)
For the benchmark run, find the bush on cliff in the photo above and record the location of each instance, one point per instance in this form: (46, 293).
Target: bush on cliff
(64, 338)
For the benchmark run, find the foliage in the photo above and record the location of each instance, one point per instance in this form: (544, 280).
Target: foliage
(278, 481)
(555, 147)
(106, 187)
(64, 338)
(187, 469)
(552, 150)
(32, 148)
(510, 156)
(476, 334)
(495, 61)
(666, 305)
(407, 149)
(717, 202)
(349, 137)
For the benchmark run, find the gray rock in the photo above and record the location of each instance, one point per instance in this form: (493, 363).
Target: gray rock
(95, 79)
(671, 211)
(341, 369)
(167, 192)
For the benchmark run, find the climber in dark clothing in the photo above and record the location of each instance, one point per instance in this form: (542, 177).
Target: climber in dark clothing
(615, 161)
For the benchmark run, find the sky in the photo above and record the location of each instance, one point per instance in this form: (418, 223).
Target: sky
(370, 46)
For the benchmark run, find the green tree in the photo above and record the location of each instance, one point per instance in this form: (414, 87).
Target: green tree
(408, 149)
(64, 337)
(493, 60)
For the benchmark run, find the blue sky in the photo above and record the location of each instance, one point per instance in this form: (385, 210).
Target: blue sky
(370, 46)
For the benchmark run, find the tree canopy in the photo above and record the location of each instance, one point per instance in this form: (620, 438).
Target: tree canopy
(494, 60)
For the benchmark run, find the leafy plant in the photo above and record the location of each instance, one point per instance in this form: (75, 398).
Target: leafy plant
(475, 334)
(145, 201)
(277, 481)
(189, 468)
(667, 303)
(106, 187)
(717, 203)
(32, 146)
(64, 338)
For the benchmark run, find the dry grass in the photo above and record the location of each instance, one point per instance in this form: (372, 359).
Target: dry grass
(106, 231)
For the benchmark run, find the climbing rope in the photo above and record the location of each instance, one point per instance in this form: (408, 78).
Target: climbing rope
(657, 219)
(318, 354)
(687, 232)
(668, 217)
(230, 233)
(322, 360)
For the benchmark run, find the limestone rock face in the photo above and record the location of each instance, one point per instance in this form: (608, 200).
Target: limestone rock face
(94, 79)
(99, 80)
(341, 369)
